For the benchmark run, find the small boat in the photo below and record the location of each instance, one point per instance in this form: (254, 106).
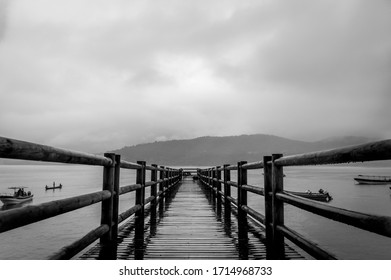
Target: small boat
(17, 197)
(54, 187)
(373, 180)
(321, 195)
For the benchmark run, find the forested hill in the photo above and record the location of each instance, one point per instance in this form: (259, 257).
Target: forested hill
(207, 150)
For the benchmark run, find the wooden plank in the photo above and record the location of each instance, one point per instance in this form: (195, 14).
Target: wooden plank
(190, 228)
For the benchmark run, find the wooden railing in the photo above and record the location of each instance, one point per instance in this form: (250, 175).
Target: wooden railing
(274, 195)
(109, 195)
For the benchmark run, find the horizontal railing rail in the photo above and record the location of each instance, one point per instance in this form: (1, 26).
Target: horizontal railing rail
(275, 196)
(109, 196)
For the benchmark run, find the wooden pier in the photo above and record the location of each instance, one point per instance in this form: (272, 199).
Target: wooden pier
(192, 217)
(190, 227)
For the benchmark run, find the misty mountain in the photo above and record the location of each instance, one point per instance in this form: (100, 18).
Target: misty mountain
(208, 150)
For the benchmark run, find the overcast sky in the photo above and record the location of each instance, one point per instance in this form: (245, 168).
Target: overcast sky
(98, 75)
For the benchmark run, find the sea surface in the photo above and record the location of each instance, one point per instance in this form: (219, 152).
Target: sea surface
(41, 239)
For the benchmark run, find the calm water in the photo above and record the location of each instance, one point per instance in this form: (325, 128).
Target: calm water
(39, 240)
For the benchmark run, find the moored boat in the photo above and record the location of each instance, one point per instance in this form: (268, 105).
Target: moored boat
(19, 196)
(321, 195)
(53, 187)
(373, 180)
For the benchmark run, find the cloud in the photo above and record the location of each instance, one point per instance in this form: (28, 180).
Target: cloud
(98, 75)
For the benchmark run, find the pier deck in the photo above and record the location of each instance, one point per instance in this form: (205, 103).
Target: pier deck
(188, 226)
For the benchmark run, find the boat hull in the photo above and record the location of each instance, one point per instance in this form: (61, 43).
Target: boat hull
(364, 181)
(9, 200)
(52, 188)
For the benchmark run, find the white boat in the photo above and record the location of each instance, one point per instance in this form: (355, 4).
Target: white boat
(17, 197)
(373, 180)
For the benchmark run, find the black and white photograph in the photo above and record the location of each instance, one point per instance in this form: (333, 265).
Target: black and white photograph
(183, 130)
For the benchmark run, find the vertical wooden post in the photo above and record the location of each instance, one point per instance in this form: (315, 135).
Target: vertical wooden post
(209, 180)
(211, 183)
(140, 200)
(169, 178)
(154, 186)
(242, 215)
(161, 190)
(218, 190)
(107, 205)
(242, 194)
(278, 208)
(213, 186)
(227, 192)
(154, 194)
(107, 208)
(117, 171)
(267, 178)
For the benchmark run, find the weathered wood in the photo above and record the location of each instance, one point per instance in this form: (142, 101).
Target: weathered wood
(18, 217)
(253, 213)
(162, 182)
(267, 187)
(125, 215)
(227, 192)
(253, 189)
(150, 183)
(149, 199)
(232, 167)
(117, 175)
(310, 247)
(129, 165)
(253, 165)
(373, 223)
(140, 200)
(107, 205)
(129, 188)
(16, 149)
(67, 252)
(232, 200)
(242, 201)
(218, 190)
(380, 150)
(232, 183)
(154, 190)
(278, 208)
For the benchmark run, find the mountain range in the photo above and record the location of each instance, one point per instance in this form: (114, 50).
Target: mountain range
(205, 151)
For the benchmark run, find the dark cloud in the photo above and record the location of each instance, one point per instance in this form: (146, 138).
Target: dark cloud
(97, 75)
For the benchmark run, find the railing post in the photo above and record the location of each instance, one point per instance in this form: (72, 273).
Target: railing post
(106, 240)
(218, 190)
(117, 171)
(267, 178)
(154, 186)
(140, 200)
(213, 186)
(161, 190)
(209, 180)
(242, 215)
(227, 192)
(169, 178)
(153, 202)
(278, 208)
